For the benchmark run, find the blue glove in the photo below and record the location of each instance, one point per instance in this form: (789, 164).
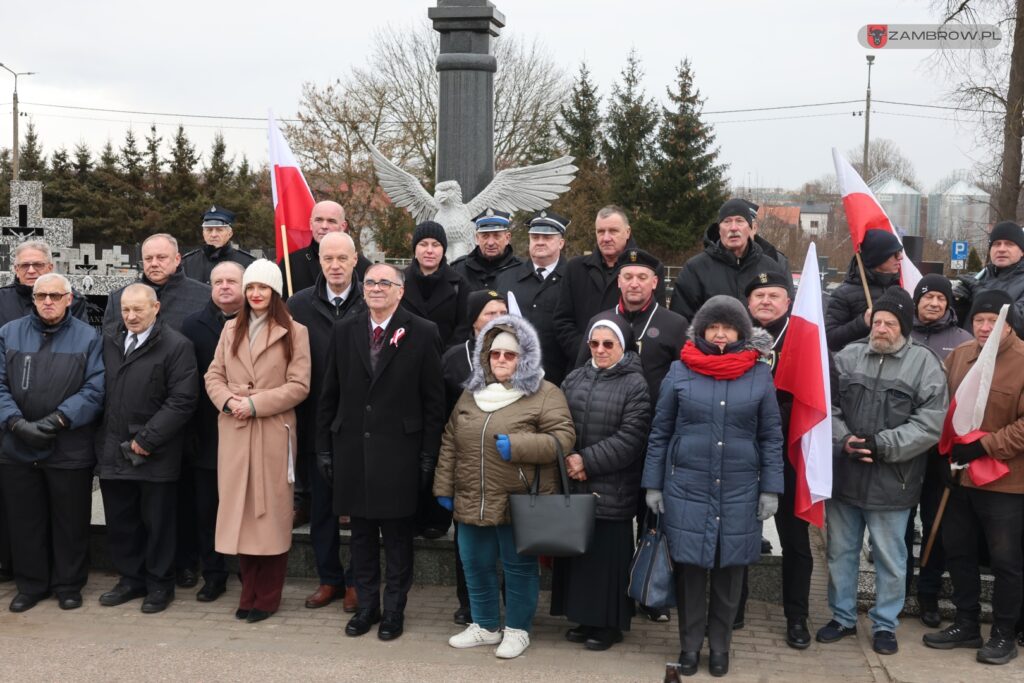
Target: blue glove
(504, 446)
(445, 502)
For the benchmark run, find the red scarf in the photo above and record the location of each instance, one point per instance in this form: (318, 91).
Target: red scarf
(726, 366)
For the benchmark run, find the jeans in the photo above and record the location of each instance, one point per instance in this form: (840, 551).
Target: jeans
(845, 540)
(480, 548)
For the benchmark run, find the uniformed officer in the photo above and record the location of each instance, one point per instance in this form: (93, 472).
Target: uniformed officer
(492, 254)
(217, 232)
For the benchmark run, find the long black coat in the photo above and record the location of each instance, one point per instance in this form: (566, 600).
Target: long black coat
(199, 263)
(456, 367)
(383, 426)
(538, 301)
(203, 329)
(305, 264)
(311, 308)
(150, 397)
(179, 298)
(844, 315)
(440, 298)
(16, 302)
(481, 273)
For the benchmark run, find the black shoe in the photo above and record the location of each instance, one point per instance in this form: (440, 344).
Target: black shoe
(157, 601)
(718, 663)
(69, 600)
(957, 634)
(187, 578)
(255, 615)
(884, 643)
(462, 616)
(361, 621)
(928, 606)
(739, 622)
(766, 546)
(391, 626)
(603, 638)
(999, 649)
(432, 534)
(579, 634)
(834, 631)
(660, 615)
(120, 594)
(797, 635)
(23, 601)
(211, 590)
(688, 663)
(242, 613)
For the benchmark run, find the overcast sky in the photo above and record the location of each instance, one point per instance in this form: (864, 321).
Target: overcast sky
(235, 59)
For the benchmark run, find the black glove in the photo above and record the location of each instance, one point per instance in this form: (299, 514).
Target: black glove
(30, 433)
(325, 466)
(131, 456)
(52, 423)
(968, 452)
(867, 444)
(426, 475)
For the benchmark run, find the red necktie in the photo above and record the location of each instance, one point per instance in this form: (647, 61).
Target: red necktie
(378, 336)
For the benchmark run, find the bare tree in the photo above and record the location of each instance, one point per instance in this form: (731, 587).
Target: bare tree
(884, 155)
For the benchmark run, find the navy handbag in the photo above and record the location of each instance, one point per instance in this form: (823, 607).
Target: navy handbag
(650, 574)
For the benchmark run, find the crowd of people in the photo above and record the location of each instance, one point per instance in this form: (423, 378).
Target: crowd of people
(219, 408)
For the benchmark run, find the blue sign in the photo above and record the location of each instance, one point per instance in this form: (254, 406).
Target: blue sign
(958, 250)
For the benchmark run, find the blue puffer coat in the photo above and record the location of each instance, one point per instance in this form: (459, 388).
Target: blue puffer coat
(715, 445)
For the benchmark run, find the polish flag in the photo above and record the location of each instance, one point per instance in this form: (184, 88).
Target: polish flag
(967, 409)
(293, 202)
(863, 213)
(803, 372)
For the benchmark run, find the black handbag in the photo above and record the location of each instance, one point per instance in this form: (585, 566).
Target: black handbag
(556, 525)
(650, 574)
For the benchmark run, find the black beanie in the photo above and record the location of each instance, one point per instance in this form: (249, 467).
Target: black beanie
(432, 230)
(878, 246)
(476, 301)
(991, 301)
(1007, 230)
(738, 207)
(933, 282)
(895, 300)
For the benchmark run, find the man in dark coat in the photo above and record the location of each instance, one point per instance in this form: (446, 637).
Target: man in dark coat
(847, 317)
(51, 394)
(492, 254)
(179, 296)
(433, 290)
(1005, 270)
(151, 392)
(732, 256)
(536, 285)
(380, 443)
(197, 488)
(590, 283)
(198, 264)
(336, 295)
(327, 216)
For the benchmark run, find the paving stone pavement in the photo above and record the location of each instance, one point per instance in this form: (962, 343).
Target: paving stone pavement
(204, 642)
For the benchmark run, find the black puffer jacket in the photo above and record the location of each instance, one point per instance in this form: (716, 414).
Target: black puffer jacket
(611, 410)
(844, 317)
(1009, 279)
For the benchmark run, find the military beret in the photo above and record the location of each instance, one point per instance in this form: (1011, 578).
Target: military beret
(769, 279)
(638, 257)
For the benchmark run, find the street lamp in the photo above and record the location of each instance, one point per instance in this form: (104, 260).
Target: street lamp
(14, 149)
(867, 120)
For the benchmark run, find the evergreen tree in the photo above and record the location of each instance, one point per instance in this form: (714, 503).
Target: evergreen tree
(154, 163)
(580, 129)
(31, 160)
(182, 207)
(629, 132)
(6, 176)
(82, 165)
(133, 164)
(974, 263)
(59, 191)
(217, 185)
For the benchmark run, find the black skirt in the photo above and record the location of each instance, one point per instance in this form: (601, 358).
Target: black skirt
(591, 589)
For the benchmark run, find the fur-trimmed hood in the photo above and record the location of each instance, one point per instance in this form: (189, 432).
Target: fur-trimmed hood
(529, 372)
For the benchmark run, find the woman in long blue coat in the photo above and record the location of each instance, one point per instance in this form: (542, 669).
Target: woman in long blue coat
(714, 470)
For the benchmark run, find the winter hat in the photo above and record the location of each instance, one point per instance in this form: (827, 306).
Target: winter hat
(429, 230)
(933, 282)
(1007, 230)
(990, 301)
(722, 309)
(638, 257)
(476, 301)
(506, 341)
(878, 246)
(263, 272)
(617, 324)
(769, 278)
(895, 300)
(738, 207)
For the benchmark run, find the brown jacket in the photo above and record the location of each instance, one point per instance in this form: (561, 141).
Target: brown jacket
(1004, 412)
(255, 512)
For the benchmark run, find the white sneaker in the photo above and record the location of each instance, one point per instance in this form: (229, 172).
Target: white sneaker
(513, 644)
(474, 635)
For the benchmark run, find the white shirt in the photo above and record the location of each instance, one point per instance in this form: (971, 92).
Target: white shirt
(142, 337)
(547, 269)
(332, 295)
(383, 325)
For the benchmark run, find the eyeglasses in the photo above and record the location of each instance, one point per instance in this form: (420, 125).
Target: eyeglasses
(383, 284)
(606, 344)
(52, 296)
(32, 265)
(504, 355)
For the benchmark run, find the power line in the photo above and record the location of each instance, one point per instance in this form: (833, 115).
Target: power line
(940, 106)
(788, 106)
(785, 118)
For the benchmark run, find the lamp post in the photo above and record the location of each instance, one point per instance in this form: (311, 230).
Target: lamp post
(867, 120)
(14, 147)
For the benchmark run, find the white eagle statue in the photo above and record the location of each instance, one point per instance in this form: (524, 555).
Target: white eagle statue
(530, 188)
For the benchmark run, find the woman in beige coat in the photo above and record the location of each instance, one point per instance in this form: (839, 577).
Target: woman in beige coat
(260, 372)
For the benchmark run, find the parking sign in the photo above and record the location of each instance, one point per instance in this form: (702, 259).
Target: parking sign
(958, 251)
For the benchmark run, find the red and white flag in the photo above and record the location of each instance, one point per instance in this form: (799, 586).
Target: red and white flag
(803, 372)
(967, 409)
(293, 202)
(863, 213)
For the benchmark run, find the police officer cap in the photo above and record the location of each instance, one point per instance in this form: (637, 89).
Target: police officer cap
(548, 223)
(768, 279)
(217, 217)
(639, 257)
(492, 220)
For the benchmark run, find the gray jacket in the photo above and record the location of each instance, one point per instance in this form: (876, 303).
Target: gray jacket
(941, 336)
(900, 398)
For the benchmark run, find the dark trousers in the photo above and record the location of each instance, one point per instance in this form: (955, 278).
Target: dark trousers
(48, 511)
(262, 581)
(697, 612)
(6, 566)
(206, 502)
(929, 579)
(1001, 517)
(186, 552)
(142, 525)
(323, 529)
(397, 535)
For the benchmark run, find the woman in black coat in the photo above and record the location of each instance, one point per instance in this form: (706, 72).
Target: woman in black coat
(611, 409)
(432, 289)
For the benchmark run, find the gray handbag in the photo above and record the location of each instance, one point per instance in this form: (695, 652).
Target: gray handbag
(555, 525)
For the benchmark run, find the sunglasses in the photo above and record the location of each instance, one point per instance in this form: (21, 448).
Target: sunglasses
(52, 296)
(606, 344)
(504, 355)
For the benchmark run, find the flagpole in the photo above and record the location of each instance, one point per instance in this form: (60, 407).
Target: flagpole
(863, 278)
(287, 261)
(938, 520)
